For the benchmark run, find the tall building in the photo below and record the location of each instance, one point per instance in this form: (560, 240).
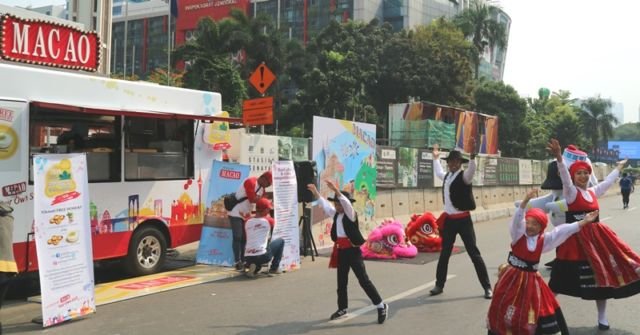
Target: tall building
(96, 16)
(617, 109)
(144, 27)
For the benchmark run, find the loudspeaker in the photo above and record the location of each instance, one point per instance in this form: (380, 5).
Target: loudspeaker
(306, 173)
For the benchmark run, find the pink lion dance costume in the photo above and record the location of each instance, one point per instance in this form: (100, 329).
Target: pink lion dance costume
(424, 233)
(387, 241)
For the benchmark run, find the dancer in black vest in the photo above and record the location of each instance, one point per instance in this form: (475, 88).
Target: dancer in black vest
(455, 219)
(346, 249)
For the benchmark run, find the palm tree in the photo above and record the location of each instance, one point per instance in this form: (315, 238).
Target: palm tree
(210, 66)
(597, 120)
(477, 23)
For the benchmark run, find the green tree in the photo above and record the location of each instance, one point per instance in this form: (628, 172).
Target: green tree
(209, 65)
(478, 23)
(598, 121)
(160, 76)
(627, 132)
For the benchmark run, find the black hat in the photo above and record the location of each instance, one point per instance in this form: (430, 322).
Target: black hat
(455, 154)
(553, 181)
(346, 194)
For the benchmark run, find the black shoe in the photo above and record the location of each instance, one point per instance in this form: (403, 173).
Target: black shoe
(382, 313)
(338, 314)
(488, 293)
(603, 326)
(239, 266)
(436, 290)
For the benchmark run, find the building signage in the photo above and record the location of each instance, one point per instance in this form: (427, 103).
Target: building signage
(46, 43)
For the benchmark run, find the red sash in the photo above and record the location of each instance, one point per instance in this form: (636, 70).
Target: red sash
(341, 243)
(444, 216)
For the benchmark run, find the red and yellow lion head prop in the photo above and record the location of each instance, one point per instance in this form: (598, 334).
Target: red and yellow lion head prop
(423, 232)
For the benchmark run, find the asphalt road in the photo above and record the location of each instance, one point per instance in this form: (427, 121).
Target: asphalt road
(300, 302)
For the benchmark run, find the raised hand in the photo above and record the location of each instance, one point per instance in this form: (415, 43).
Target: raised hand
(532, 193)
(591, 216)
(554, 148)
(622, 163)
(313, 189)
(436, 151)
(472, 147)
(333, 186)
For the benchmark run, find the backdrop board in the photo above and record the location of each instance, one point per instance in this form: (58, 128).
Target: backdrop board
(386, 166)
(425, 169)
(508, 171)
(407, 167)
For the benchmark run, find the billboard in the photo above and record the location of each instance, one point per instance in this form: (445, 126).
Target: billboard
(627, 149)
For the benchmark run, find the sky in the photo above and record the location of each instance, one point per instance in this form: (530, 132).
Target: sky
(587, 47)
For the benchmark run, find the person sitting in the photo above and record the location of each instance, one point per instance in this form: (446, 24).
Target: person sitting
(260, 248)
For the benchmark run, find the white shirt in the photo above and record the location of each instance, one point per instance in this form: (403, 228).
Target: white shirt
(467, 176)
(245, 206)
(257, 231)
(570, 191)
(330, 211)
(552, 239)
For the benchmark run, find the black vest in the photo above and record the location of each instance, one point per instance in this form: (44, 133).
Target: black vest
(460, 194)
(350, 228)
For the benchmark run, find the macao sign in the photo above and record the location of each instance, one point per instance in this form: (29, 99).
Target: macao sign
(41, 42)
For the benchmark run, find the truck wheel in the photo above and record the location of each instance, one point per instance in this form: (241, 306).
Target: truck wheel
(147, 251)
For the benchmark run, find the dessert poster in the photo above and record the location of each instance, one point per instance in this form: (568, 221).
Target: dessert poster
(63, 237)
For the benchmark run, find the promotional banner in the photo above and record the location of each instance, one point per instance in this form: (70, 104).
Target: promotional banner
(293, 148)
(285, 206)
(63, 237)
(215, 241)
(345, 152)
(490, 172)
(425, 169)
(408, 167)
(386, 167)
(525, 172)
(508, 171)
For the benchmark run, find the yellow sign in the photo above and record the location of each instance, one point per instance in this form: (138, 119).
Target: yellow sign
(8, 142)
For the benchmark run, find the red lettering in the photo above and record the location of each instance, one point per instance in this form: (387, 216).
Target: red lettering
(46, 43)
(229, 174)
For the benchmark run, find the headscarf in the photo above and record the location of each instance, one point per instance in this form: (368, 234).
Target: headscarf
(539, 215)
(579, 165)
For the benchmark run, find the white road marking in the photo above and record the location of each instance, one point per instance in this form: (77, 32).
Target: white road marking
(398, 296)
(605, 219)
(632, 209)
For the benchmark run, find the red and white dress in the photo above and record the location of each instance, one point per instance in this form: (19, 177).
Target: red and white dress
(522, 302)
(595, 264)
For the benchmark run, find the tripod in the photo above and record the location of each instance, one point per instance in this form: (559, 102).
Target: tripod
(308, 244)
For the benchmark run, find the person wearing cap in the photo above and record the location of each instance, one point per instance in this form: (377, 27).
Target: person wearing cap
(251, 190)
(260, 248)
(456, 219)
(8, 266)
(618, 272)
(346, 254)
(523, 303)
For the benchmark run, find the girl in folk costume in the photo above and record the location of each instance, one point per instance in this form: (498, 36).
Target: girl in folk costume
(523, 303)
(594, 264)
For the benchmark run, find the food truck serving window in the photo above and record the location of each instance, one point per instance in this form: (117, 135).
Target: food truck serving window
(53, 130)
(158, 148)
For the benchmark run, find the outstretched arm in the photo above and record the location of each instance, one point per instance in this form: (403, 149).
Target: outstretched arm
(601, 188)
(562, 232)
(518, 226)
(326, 206)
(437, 167)
(569, 190)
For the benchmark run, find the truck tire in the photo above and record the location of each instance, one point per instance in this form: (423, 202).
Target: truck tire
(147, 251)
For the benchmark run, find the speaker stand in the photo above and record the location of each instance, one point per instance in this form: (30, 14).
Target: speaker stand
(308, 244)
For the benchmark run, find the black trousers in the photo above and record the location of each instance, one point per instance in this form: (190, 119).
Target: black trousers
(625, 196)
(351, 258)
(464, 227)
(239, 238)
